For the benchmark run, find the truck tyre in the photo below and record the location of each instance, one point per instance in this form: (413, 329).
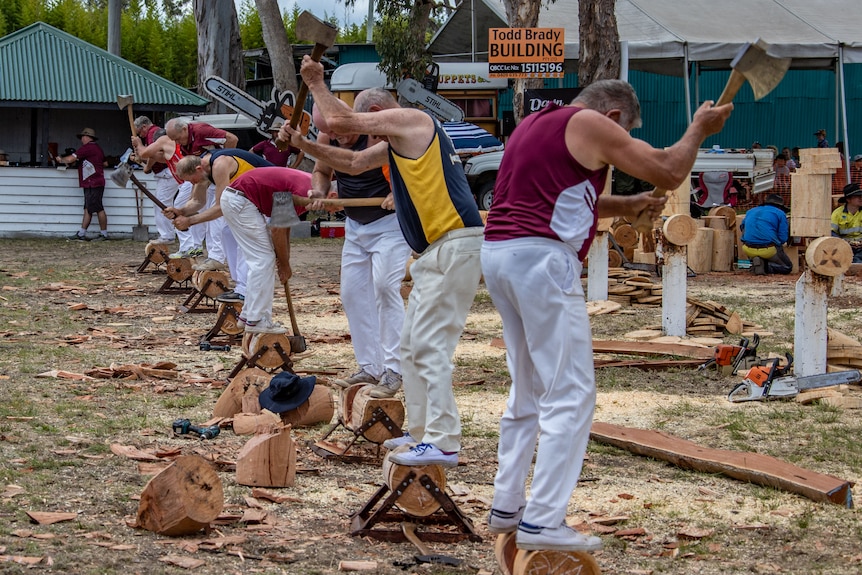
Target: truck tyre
(485, 194)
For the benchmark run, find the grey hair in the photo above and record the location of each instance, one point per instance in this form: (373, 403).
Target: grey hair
(187, 166)
(142, 121)
(606, 95)
(380, 97)
(178, 123)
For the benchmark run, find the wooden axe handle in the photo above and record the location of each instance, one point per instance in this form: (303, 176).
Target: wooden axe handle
(348, 202)
(316, 55)
(131, 120)
(141, 186)
(643, 223)
(734, 83)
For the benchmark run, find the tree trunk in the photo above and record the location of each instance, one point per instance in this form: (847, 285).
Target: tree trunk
(280, 50)
(599, 57)
(219, 45)
(523, 14)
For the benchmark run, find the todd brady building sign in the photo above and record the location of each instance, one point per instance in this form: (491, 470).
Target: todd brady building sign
(526, 52)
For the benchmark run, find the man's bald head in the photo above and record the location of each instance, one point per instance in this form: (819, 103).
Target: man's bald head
(374, 98)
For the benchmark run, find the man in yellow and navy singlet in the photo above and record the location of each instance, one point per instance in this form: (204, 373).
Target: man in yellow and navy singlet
(441, 223)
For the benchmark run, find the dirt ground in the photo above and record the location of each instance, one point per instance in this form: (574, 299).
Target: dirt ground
(75, 307)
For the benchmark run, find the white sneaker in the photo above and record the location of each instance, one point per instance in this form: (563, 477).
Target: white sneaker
(391, 444)
(562, 538)
(504, 521)
(208, 265)
(425, 454)
(360, 376)
(265, 326)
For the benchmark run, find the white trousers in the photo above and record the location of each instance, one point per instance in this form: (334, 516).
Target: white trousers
(249, 229)
(445, 279)
(194, 236)
(373, 261)
(166, 189)
(235, 259)
(536, 287)
(215, 250)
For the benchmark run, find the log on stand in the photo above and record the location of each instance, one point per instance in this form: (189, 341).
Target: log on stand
(414, 500)
(267, 460)
(180, 273)
(155, 254)
(182, 499)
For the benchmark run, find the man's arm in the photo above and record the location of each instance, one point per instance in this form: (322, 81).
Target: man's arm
(596, 140)
(198, 199)
(346, 161)
(630, 206)
(409, 131)
(230, 140)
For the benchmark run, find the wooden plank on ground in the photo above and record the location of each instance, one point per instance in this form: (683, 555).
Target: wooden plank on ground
(648, 364)
(650, 348)
(745, 466)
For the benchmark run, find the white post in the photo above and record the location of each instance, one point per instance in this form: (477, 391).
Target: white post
(809, 334)
(673, 289)
(597, 268)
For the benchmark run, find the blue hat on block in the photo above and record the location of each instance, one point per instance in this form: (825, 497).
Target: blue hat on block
(286, 391)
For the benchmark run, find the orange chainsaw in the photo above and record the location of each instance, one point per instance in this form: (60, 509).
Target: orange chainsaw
(774, 381)
(732, 355)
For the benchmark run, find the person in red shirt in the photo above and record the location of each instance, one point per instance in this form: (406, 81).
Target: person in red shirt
(166, 184)
(270, 152)
(91, 177)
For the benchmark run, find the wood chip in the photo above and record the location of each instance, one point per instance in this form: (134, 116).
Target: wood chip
(50, 517)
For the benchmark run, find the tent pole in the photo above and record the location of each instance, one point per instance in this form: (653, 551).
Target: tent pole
(687, 88)
(843, 96)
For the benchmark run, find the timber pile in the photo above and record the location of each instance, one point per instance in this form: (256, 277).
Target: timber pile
(628, 287)
(842, 353)
(710, 319)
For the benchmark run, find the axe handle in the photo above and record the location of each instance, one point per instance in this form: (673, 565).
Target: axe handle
(316, 55)
(734, 83)
(643, 223)
(131, 120)
(141, 186)
(293, 325)
(348, 202)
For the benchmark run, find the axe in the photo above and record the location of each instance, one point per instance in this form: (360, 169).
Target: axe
(126, 101)
(123, 174)
(311, 29)
(283, 218)
(763, 73)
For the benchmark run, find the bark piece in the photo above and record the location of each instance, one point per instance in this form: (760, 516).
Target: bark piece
(649, 348)
(183, 499)
(267, 460)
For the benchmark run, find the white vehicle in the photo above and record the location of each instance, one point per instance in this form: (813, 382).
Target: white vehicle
(481, 171)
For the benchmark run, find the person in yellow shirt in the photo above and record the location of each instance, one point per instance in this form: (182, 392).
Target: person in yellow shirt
(847, 220)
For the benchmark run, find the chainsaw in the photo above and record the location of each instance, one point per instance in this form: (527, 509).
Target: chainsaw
(773, 381)
(727, 355)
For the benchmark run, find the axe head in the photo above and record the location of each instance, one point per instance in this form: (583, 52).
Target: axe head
(762, 71)
(125, 100)
(121, 175)
(283, 213)
(310, 28)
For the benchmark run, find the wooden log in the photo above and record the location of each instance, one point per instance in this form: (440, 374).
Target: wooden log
(230, 400)
(318, 408)
(264, 421)
(828, 256)
(615, 260)
(505, 551)
(699, 252)
(363, 410)
(714, 222)
(723, 252)
(270, 358)
(680, 229)
(641, 257)
(156, 253)
(810, 205)
(415, 499)
(745, 466)
(555, 563)
(357, 565)
(793, 254)
(229, 325)
(211, 283)
(727, 212)
(181, 499)
(179, 269)
(267, 460)
(625, 236)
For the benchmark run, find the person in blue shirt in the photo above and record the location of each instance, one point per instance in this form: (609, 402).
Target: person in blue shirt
(764, 232)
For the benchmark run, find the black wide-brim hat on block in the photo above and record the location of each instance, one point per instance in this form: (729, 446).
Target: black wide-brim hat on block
(286, 391)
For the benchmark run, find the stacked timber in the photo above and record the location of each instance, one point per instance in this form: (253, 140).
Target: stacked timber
(710, 319)
(842, 353)
(811, 201)
(629, 287)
